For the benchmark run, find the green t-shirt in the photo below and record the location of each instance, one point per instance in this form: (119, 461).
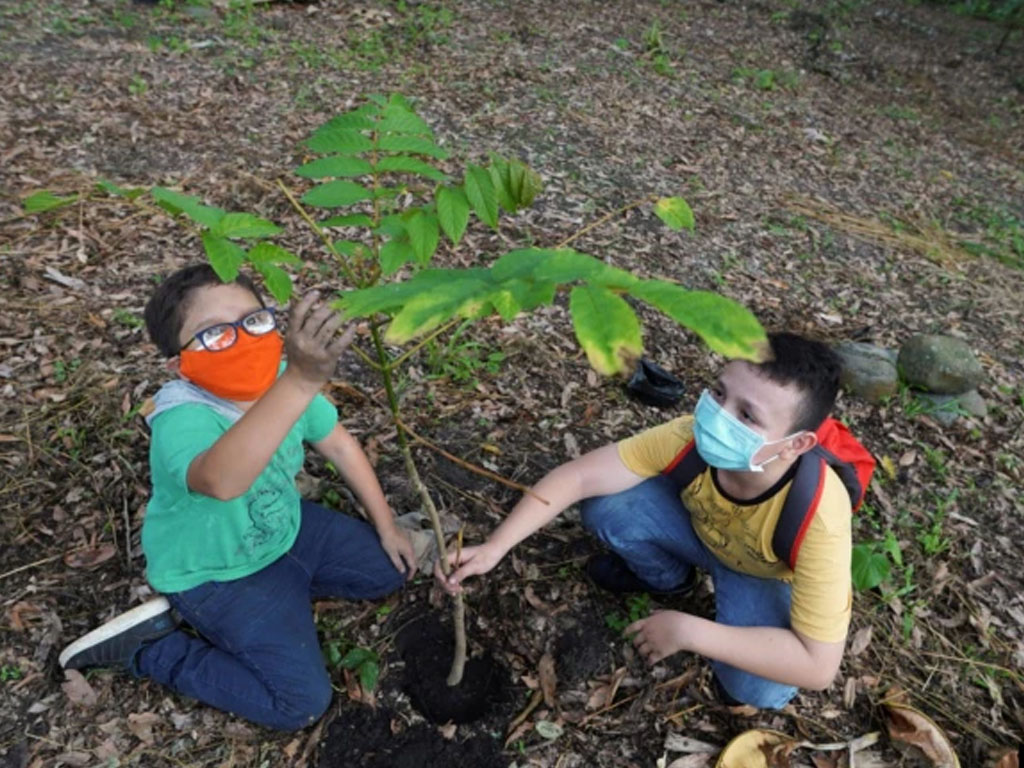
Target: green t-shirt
(189, 538)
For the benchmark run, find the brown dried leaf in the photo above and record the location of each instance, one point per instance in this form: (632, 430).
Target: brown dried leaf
(90, 557)
(548, 679)
(759, 748)
(448, 731)
(1009, 759)
(919, 732)
(141, 724)
(77, 689)
(695, 760)
(860, 641)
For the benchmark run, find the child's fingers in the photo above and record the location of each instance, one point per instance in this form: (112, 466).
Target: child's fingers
(341, 343)
(635, 628)
(315, 321)
(302, 308)
(331, 324)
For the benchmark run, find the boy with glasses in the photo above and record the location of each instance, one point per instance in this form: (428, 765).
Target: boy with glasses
(781, 622)
(228, 541)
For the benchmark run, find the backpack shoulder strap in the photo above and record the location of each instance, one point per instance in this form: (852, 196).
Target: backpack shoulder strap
(686, 466)
(799, 507)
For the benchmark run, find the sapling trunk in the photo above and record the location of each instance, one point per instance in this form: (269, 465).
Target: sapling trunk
(459, 607)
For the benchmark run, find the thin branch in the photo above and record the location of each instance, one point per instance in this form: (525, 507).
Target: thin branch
(426, 340)
(365, 357)
(345, 266)
(469, 465)
(607, 217)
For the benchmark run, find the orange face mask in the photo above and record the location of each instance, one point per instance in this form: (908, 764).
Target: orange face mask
(243, 371)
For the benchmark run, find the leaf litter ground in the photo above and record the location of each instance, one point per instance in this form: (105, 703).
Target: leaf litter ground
(901, 118)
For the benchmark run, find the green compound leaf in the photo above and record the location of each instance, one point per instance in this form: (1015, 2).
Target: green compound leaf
(360, 119)
(725, 325)
(394, 254)
(335, 165)
(335, 194)
(391, 296)
(466, 294)
(481, 195)
(397, 119)
(414, 144)
(499, 170)
(244, 225)
(45, 200)
(176, 202)
(423, 235)
(278, 281)
(340, 141)
(868, 567)
(406, 164)
(348, 220)
(606, 328)
(268, 253)
(452, 212)
(561, 265)
(675, 212)
(113, 189)
(225, 256)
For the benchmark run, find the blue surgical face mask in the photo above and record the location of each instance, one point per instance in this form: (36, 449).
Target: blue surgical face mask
(723, 441)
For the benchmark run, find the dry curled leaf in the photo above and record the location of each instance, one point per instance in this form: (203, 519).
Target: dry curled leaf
(860, 641)
(548, 679)
(915, 731)
(1007, 759)
(77, 689)
(141, 725)
(90, 557)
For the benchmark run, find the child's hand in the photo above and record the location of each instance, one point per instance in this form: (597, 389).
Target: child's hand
(310, 343)
(472, 561)
(396, 544)
(660, 635)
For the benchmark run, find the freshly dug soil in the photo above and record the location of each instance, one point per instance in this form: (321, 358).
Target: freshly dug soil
(363, 738)
(426, 647)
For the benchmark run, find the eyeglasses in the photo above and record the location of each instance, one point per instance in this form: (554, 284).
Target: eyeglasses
(222, 336)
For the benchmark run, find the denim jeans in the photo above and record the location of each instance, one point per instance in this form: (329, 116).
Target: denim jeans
(650, 528)
(256, 654)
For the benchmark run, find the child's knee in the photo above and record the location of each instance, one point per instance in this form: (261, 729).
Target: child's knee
(751, 689)
(303, 708)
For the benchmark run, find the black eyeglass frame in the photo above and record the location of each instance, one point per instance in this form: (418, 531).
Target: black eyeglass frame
(235, 326)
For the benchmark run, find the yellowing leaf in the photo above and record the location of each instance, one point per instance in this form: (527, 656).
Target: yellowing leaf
(675, 212)
(889, 466)
(760, 748)
(606, 328)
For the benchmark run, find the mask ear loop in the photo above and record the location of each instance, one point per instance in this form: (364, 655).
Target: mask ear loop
(770, 459)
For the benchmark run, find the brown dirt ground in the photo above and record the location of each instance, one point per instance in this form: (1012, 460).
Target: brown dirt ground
(885, 110)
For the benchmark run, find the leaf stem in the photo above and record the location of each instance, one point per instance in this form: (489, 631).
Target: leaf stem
(607, 217)
(422, 343)
(341, 258)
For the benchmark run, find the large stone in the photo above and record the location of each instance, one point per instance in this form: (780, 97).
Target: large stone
(868, 371)
(946, 408)
(939, 364)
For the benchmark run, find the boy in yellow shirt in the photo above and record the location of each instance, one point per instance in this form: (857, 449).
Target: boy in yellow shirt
(777, 628)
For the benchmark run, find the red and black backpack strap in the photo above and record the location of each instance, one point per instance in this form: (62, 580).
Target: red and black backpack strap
(800, 505)
(686, 466)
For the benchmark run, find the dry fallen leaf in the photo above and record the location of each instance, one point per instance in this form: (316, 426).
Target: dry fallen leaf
(1008, 759)
(695, 760)
(919, 733)
(77, 688)
(141, 725)
(860, 641)
(548, 679)
(90, 557)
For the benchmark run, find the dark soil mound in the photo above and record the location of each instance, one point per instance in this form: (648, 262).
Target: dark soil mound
(426, 647)
(362, 738)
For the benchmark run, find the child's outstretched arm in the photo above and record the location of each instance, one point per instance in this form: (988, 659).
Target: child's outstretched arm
(344, 451)
(231, 465)
(598, 473)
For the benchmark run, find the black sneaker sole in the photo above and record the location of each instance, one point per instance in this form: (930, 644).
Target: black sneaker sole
(148, 611)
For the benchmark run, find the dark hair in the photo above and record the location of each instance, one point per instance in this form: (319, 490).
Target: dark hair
(812, 367)
(165, 310)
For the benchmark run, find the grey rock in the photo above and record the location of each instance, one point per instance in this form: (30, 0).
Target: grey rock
(943, 408)
(973, 403)
(868, 371)
(200, 12)
(939, 364)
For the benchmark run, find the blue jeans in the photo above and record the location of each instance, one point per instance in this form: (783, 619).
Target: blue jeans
(257, 653)
(650, 528)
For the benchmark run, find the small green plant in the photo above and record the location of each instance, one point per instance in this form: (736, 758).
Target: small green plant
(655, 50)
(870, 566)
(461, 360)
(10, 672)
(363, 661)
(127, 319)
(637, 607)
(62, 369)
(138, 85)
